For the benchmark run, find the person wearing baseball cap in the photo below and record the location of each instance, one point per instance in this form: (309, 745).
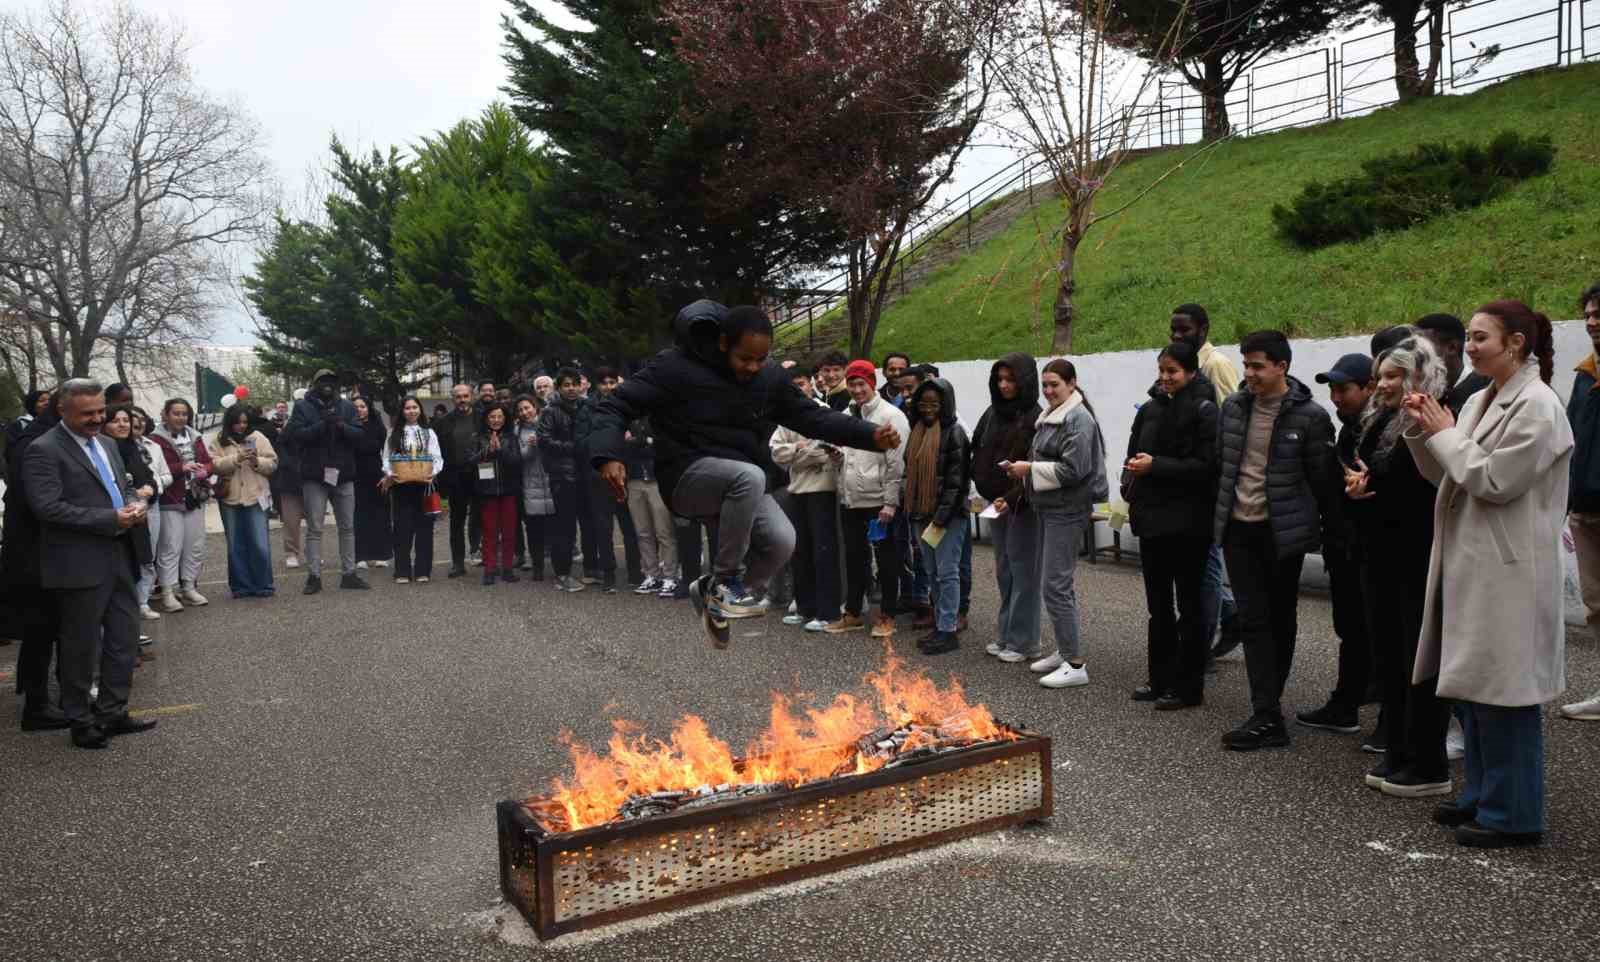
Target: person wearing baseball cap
(1349, 387)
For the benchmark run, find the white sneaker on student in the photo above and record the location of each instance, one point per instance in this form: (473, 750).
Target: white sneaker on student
(361, 566)
(1011, 656)
(169, 600)
(380, 564)
(669, 588)
(291, 562)
(793, 620)
(1066, 677)
(148, 613)
(1588, 710)
(192, 597)
(1046, 664)
(1455, 741)
(993, 648)
(816, 625)
(648, 586)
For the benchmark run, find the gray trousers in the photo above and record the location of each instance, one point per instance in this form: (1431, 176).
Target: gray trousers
(1016, 570)
(104, 621)
(317, 497)
(752, 535)
(182, 547)
(1062, 535)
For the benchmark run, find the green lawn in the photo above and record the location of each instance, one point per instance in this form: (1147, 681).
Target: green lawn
(1206, 235)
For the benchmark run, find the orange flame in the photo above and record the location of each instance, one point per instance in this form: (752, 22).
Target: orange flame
(798, 746)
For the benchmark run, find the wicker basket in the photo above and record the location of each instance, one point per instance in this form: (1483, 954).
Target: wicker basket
(408, 470)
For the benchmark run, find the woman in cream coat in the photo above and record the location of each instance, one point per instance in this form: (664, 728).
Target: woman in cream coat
(1492, 629)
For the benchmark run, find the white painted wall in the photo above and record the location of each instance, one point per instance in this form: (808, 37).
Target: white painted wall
(1117, 383)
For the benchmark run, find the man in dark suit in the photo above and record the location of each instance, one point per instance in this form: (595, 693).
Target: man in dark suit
(76, 484)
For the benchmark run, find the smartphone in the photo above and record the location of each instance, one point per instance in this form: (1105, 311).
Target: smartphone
(250, 445)
(1005, 465)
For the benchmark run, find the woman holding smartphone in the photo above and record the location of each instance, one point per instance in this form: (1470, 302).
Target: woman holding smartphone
(1064, 478)
(245, 462)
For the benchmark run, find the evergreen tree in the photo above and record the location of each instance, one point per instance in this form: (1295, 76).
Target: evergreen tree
(633, 151)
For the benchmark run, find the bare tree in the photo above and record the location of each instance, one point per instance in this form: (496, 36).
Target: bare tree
(1062, 85)
(121, 181)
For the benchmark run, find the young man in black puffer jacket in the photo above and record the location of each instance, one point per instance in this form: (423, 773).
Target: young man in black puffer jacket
(711, 400)
(1279, 480)
(559, 425)
(937, 462)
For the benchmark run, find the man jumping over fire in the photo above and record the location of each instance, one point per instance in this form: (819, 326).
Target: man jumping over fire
(712, 401)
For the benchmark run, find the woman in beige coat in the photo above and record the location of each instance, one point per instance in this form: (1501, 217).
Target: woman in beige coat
(245, 460)
(1492, 629)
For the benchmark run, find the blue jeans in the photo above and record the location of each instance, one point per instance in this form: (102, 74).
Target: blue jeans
(966, 564)
(941, 567)
(1504, 766)
(1217, 602)
(1016, 572)
(249, 551)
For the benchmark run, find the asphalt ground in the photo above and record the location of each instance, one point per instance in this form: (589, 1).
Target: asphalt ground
(322, 785)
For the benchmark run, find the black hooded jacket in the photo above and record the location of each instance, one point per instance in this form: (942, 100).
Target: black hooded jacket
(953, 451)
(698, 409)
(1005, 432)
(1180, 434)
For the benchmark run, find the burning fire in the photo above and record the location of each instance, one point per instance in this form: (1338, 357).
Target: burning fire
(800, 745)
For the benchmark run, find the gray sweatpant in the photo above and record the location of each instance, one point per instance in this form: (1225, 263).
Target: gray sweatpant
(751, 533)
(1062, 535)
(317, 497)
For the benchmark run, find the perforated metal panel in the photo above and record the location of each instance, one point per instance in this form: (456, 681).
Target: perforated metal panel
(580, 879)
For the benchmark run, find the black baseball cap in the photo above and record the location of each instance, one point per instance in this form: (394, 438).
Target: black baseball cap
(1356, 368)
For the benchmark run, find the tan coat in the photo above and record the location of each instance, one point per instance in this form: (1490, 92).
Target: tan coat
(1492, 627)
(243, 485)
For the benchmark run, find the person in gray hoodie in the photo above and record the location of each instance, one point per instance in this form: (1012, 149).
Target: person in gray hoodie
(1064, 477)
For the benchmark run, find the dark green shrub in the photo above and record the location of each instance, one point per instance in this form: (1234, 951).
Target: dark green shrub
(1401, 190)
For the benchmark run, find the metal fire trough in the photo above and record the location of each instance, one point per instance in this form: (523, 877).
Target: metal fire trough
(567, 881)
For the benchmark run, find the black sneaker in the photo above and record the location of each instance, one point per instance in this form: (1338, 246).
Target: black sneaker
(1145, 693)
(354, 583)
(1380, 773)
(1261, 731)
(455, 571)
(609, 585)
(1331, 718)
(926, 640)
(1408, 784)
(1227, 637)
(1451, 814)
(1473, 835)
(942, 642)
(313, 585)
(1376, 743)
(488, 577)
(1172, 701)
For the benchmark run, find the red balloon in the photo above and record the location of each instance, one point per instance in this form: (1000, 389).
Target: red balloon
(241, 392)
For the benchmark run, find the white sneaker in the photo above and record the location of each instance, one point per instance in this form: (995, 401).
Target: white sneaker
(1066, 677)
(794, 607)
(361, 566)
(793, 620)
(648, 586)
(1011, 656)
(291, 562)
(1046, 664)
(380, 564)
(192, 597)
(148, 613)
(1583, 710)
(669, 587)
(1455, 741)
(993, 648)
(816, 624)
(169, 601)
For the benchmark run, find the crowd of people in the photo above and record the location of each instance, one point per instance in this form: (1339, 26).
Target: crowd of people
(844, 494)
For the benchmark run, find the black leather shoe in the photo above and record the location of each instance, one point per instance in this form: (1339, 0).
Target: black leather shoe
(354, 583)
(124, 725)
(941, 643)
(1172, 701)
(313, 585)
(90, 736)
(46, 719)
(1450, 814)
(1473, 835)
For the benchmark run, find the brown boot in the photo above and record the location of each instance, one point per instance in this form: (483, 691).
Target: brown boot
(923, 617)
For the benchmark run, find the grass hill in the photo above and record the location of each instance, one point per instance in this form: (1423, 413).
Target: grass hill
(1206, 235)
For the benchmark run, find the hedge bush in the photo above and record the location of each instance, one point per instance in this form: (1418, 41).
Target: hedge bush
(1401, 190)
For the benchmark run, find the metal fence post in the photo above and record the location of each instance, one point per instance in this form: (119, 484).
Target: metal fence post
(969, 218)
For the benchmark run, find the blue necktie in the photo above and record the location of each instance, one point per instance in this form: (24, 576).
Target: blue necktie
(105, 474)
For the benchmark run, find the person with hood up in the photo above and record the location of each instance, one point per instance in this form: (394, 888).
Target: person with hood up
(326, 429)
(1169, 482)
(1065, 476)
(935, 500)
(1279, 480)
(711, 399)
(1005, 433)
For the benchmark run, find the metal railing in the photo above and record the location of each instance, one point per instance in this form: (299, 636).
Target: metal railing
(1483, 43)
